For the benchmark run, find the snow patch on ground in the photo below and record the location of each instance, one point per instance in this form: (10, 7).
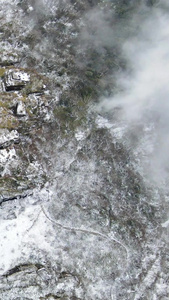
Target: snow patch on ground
(81, 134)
(22, 76)
(25, 231)
(8, 158)
(6, 135)
(103, 122)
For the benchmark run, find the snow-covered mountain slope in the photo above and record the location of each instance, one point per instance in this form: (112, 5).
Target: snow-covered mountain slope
(83, 150)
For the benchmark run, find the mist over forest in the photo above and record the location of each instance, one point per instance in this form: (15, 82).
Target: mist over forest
(84, 160)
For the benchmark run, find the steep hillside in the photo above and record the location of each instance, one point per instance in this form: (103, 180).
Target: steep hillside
(84, 150)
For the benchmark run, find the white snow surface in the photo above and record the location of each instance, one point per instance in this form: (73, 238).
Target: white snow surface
(27, 227)
(21, 76)
(31, 232)
(6, 135)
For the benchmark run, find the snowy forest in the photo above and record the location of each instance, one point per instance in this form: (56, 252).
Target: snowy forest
(84, 149)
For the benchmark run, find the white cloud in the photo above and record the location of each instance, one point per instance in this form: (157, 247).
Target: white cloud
(144, 88)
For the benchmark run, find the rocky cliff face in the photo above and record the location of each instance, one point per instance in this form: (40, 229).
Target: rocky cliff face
(79, 219)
